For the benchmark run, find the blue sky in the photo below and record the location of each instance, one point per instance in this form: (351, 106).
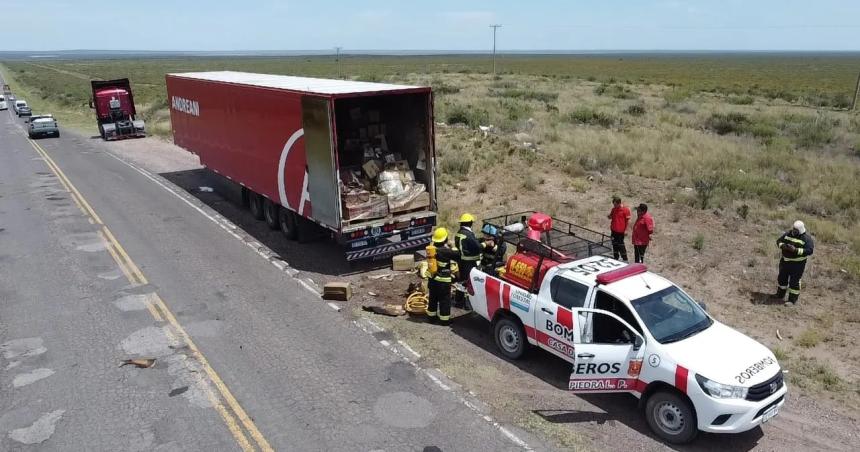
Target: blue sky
(441, 24)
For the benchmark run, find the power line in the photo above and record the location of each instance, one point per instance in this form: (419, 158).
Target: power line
(494, 27)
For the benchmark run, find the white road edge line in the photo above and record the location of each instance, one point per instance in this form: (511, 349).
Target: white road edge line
(229, 226)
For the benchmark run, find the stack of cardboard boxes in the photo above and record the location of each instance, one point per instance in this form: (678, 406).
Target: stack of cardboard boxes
(384, 184)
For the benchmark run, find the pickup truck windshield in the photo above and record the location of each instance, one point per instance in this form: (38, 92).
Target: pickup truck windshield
(670, 315)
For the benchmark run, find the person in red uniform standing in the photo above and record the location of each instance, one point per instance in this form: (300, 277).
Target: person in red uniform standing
(642, 230)
(619, 218)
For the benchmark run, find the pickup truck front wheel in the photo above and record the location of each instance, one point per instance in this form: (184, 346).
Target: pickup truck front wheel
(671, 417)
(510, 338)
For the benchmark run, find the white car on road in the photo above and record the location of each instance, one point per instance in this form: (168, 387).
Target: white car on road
(3, 104)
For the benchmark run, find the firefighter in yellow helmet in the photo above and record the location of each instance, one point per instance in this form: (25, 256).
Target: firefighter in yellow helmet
(439, 283)
(470, 252)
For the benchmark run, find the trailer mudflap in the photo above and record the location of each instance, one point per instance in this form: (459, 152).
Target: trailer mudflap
(388, 249)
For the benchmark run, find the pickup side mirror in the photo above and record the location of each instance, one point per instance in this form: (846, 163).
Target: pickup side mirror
(92, 105)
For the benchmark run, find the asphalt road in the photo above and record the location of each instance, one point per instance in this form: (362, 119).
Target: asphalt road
(245, 357)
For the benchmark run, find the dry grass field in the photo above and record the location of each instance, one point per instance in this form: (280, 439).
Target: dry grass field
(727, 153)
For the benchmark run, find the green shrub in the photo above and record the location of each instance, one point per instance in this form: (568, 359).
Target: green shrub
(515, 110)
(470, 116)
(676, 95)
(456, 164)
(586, 115)
(726, 123)
(809, 131)
(763, 187)
(809, 338)
(741, 100)
(443, 88)
(616, 91)
(605, 160)
(526, 94)
(636, 110)
(699, 242)
(706, 187)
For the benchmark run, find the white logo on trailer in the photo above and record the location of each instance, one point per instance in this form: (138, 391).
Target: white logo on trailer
(282, 192)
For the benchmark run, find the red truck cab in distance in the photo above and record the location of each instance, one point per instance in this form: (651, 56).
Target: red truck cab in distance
(113, 102)
(285, 140)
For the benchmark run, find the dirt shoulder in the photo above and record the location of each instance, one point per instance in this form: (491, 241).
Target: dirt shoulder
(530, 393)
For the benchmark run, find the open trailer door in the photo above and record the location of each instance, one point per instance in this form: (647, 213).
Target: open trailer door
(322, 173)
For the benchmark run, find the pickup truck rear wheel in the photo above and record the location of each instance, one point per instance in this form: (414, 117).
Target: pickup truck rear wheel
(287, 221)
(270, 214)
(671, 417)
(510, 338)
(256, 205)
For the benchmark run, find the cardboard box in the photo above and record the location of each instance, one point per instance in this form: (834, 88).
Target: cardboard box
(340, 291)
(403, 263)
(375, 207)
(372, 168)
(419, 202)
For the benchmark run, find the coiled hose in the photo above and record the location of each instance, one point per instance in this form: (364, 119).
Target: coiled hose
(416, 303)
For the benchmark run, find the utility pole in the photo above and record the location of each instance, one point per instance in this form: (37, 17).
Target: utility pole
(337, 49)
(494, 27)
(856, 92)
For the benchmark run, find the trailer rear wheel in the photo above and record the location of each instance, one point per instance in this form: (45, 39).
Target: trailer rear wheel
(246, 197)
(256, 205)
(287, 221)
(270, 214)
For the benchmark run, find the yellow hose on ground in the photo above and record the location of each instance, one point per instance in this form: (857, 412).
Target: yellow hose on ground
(416, 303)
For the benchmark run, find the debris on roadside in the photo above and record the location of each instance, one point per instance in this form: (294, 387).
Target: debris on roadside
(391, 310)
(403, 262)
(140, 363)
(339, 291)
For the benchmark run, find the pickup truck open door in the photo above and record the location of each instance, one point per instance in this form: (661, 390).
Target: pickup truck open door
(608, 353)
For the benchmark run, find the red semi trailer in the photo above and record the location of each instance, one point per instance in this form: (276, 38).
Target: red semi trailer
(307, 150)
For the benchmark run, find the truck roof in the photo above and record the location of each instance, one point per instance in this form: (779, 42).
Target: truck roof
(628, 288)
(302, 84)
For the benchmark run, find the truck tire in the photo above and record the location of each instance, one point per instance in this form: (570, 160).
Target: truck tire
(246, 197)
(510, 338)
(270, 214)
(671, 417)
(289, 226)
(256, 205)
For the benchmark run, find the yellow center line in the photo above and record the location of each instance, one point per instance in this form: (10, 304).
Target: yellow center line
(159, 311)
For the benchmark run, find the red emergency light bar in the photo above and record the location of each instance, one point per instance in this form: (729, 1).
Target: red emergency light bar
(623, 272)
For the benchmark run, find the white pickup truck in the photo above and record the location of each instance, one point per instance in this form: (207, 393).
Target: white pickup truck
(625, 329)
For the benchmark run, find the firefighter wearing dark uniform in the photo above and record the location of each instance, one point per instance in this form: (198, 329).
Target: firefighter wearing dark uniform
(468, 245)
(470, 253)
(494, 249)
(796, 246)
(439, 283)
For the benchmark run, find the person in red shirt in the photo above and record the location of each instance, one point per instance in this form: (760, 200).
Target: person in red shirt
(642, 230)
(619, 218)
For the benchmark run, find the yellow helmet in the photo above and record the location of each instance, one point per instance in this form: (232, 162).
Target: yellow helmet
(440, 235)
(467, 218)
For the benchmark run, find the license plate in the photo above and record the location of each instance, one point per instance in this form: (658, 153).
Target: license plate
(769, 414)
(359, 244)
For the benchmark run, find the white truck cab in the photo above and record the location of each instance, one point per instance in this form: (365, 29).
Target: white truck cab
(625, 329)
